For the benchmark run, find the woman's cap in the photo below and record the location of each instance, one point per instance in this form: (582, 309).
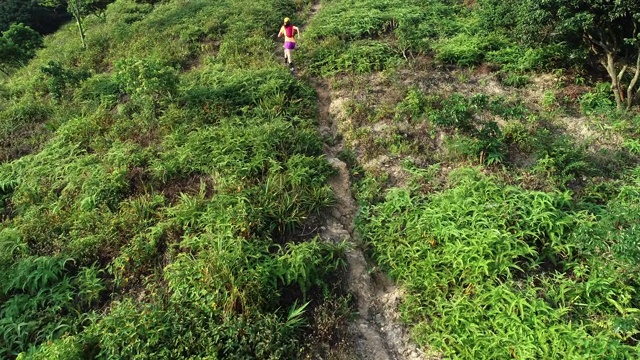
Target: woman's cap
(286, 20)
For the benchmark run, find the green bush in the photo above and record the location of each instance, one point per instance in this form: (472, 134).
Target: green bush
(18, 45)
(148, 79)
(563, 161)
(58, 78)
(455, 112)
(517, 59)
(21, 129)
(520, 135)
(413, 105)
(231, 284)
(164, 154)
(127, 12)
(485, 285)
(466, 50)
(43, 299)
(100, 89)
(373, 30)
(597, 101)
(65, 348)
(360, 57)
(515, 80)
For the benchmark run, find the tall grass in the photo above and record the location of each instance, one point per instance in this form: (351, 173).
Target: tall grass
(338, 39)
(151, 206)
(494, 271)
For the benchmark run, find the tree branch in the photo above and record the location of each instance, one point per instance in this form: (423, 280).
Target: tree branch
(621, 73)
(596, 42)
(630, 95)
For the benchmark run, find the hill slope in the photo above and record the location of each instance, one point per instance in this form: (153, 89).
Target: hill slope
(155, 190)
(500, 197)
(165, 191)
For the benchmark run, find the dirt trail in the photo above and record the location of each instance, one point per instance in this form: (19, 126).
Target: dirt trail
(376, 332)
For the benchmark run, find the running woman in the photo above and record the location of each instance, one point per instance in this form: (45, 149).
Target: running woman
(288, 31)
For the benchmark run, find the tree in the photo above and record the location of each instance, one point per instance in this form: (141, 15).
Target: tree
(44, 20)
(611, 30)
(17, 45)
(79, 9)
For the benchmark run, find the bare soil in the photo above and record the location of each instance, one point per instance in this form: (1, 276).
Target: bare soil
(376, 332)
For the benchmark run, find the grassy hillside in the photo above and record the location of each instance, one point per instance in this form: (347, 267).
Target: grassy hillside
(497, 181)
(154, 186)
(158, 187)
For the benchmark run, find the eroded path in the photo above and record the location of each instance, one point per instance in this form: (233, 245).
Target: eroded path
(376, 332)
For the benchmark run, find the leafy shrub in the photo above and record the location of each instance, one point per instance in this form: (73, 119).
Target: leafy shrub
(597, 101)
(66, 348)
(563, 161)
(360, 57)
(101, 89)
(524, 279)
(231, 284)
(491, 143)
(515, 80)
(353, 21)
(518, 134)
(249, 52)
(170, 334)
(466, 50)
(401, 27)
(518, 59)
(549, 100)
(461, 148)
(507, 108)
(144, 169)
(21, 130)
(413, 105)
(18, 45)
(59, 78)
(42, 299)
(147, 79)
(127, 12)
(477, 138)
(364, 58)
(455, 112)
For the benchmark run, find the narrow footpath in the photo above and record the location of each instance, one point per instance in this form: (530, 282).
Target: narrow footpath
(376, 332)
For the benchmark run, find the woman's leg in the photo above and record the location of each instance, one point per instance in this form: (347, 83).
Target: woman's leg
(287, 55)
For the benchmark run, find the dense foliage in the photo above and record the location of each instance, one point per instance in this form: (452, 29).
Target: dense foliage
(18, 45)
(497, 272)
(155, 184)
(79, 10)
(31, 13)
(152, 189)
(533, 253)
(608, 30)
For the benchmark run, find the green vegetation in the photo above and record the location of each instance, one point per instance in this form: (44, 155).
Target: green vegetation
(609, 31)
(29, 12)
(510, 220)
(18, 45)
(495, 271)
(153, 186)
